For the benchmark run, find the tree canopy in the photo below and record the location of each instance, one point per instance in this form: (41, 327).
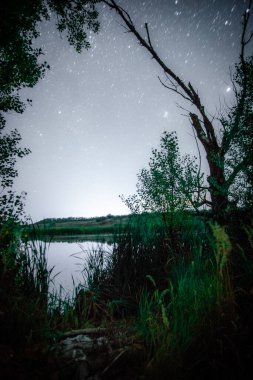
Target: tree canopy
(237, 126)
(20, 66)
(171, 183)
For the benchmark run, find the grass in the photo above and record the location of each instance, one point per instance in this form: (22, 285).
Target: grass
(170, 320)
(187, 293)
(25, 280)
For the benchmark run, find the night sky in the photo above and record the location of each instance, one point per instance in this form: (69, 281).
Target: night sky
(97, 115)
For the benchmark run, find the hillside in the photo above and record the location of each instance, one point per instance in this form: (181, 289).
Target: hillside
(109, 224)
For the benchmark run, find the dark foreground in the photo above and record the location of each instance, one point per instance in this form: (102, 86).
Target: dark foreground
(113, 353)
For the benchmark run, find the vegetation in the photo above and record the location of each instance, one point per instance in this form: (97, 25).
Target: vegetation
(180, 281)
(185, 296)
(20, 60)
(52, 228)
(172, 183)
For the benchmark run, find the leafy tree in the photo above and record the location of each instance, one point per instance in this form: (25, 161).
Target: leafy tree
(238, 137)
(11, 205)
(171, 183)
(19, 58)
(20, 68)
(229, 169)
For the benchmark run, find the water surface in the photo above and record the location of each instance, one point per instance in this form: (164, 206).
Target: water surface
(68, 260)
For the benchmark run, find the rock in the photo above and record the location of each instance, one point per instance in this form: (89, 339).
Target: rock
(78, 353)
(79, 346)
(94, 357)
(81, 342)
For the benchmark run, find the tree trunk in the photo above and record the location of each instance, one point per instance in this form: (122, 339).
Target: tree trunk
(218, 192)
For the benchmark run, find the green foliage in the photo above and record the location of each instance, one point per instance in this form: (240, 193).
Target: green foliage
(171, 319)
(10, 151)
(76, 17)
(65, 312)
(19, 59)
(238, 137)
(144, 248)
(179, 298)
(11, 205)
(24, 282)
(20, 66)
(170, 184)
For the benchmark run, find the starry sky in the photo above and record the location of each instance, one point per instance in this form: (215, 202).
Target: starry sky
(97, 115)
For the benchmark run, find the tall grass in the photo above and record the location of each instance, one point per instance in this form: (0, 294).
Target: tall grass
(180, 289)
(198, 290)
(63, 313)
(25, 279)
(179, 286)
(87, 305)
(144, 248)
(31, 310)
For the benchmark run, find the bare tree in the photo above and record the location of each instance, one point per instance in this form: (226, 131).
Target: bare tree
(207, 132)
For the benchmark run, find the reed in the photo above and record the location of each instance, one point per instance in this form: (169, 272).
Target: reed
(197, 293)
(25, 283)
(181, 292)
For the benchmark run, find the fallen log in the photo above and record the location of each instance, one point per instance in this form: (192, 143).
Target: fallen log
(86, 331)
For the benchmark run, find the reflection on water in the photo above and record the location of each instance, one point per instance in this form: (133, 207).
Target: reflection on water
(108, 238)
(68, 259)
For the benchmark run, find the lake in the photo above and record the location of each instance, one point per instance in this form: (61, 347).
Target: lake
(68, 259)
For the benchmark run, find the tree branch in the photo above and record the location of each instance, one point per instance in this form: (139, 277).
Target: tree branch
(173, 88)
(149, 40)
(244, 42)
(240, 97)
(187, 93)
(199, 130)
(148, 46)
(236, 171)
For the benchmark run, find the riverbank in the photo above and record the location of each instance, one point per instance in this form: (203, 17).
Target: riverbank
(181, 297)
(77, 227)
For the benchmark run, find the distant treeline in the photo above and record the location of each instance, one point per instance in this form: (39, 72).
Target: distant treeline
(78, 226)
(96, 219)
(78, 230)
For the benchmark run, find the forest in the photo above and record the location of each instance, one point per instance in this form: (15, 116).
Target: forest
(173, 298)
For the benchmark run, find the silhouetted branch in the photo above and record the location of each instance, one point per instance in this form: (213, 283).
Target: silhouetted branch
(244, 42)
(147, 31)
(238, 168)
(173, 88)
